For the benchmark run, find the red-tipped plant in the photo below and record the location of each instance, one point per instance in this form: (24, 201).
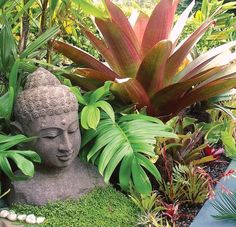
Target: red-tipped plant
(145, 60)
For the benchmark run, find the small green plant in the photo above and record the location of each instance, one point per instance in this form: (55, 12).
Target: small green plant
(187, 184)
(104, 207)
(93, 102)
(23, 159)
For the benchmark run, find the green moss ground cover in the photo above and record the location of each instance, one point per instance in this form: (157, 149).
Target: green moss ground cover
(102, 207)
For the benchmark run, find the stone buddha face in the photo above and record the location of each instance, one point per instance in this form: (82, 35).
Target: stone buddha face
(48, 110)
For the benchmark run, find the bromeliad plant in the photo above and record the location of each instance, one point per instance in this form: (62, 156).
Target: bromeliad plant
(146, 60)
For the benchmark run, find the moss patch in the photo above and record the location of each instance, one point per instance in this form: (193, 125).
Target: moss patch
(102, 207)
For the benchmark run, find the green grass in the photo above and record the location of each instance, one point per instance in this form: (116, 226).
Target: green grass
(102, 207)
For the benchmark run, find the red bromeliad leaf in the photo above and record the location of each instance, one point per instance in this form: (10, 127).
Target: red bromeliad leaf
(80, 57)
(101, 47)
(125, 53)
(131, 90)
(191, 69)
(140, 26)
(122, 21)
(86, 84)
(227, 71)
(179, 26)
(166, 101)
(208, 91)
(93, 74)
(160, 24)
(183, 50)
(151, 70)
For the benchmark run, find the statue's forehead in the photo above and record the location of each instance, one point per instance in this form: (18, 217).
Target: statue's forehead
(62, 121)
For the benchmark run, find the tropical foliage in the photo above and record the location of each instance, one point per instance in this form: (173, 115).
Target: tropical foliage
(23, 159)
(146, 67)
(130, 142)
(225, 204)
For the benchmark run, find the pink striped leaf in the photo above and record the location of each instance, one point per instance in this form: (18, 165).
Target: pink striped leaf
(166, 101)
(130, 90)
(151, 70)
(203, 60)
(122, 21)
(122, 49)
(140, 26)
(101, 47)
(160, 24)
(177, 58)
(82, 58)
(179, 25)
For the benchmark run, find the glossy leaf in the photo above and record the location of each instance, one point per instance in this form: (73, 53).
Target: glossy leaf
(101, 47)
(117, 41)
(183, 50)
(152, 68)
(82, 58)
(163, 14)
(119, 18)
(179, 25)
(126, 142)
(131, 90)
(190, 70)
(140, 26)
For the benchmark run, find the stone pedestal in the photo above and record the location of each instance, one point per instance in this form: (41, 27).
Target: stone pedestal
(52, 185)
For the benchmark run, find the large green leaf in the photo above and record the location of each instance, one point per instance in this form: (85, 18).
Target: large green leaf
(22, 159)
(129, 142)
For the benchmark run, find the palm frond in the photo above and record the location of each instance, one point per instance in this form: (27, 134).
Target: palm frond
(225, 204)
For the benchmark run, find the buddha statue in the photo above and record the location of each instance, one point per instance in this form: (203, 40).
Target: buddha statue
(48, 110)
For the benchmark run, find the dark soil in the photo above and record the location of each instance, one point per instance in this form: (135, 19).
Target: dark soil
(187, 212)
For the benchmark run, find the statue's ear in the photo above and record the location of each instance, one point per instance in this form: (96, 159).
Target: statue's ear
(16, 128)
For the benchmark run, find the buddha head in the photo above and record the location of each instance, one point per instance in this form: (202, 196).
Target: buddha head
(48, 110)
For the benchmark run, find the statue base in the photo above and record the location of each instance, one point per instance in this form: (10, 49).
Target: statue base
(52, 185)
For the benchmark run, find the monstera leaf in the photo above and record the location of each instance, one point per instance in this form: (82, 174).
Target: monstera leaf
(127, 144)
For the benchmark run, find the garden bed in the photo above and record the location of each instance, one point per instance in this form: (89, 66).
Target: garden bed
(200, 215)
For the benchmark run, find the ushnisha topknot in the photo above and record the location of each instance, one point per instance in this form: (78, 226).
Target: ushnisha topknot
(43, 95)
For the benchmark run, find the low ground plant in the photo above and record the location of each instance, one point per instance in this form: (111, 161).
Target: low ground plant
(101, 207)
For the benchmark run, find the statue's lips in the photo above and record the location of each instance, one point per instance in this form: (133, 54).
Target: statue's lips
(65, 157)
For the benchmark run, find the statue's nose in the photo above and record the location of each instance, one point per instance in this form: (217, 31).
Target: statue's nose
(65, 144)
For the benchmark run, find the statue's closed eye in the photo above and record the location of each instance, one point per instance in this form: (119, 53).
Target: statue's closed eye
(50, 133)
(73, 127)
